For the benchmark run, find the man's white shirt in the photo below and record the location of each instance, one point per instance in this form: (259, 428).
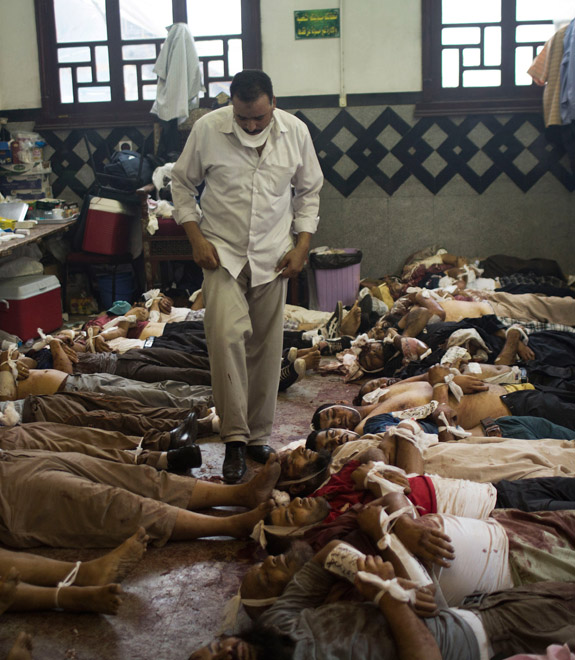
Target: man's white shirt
(248, 209)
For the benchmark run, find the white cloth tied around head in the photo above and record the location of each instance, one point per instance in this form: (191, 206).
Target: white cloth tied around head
(457, 431)
(232, 608)
(385, 486)
(259, 531)
(132, 318)
(391, 587)
(68, 580)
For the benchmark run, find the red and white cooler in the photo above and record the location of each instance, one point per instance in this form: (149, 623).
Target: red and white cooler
(28, 303)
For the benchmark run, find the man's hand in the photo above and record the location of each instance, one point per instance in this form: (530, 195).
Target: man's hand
(205, 254)
(524, 352)
(101, 345)
(23, 370)
(424, 540)
(437, 374)
(292, 263)
(425, 605)
(376, 566)
(165, 305)
(471, 384)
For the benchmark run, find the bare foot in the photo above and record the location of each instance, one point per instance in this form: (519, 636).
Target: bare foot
(508, 354)
(22, 648)
(104, 600)
(351, 321)
(312, 358)
(242, 524)
(8, 586)
(259, 488)
(114, 566)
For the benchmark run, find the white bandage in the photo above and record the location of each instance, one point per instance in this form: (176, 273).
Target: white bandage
(391, 587)
(521, 329)
(385, 486)
(232, 608)
(342, 561)
(457, 431)
(374, 395)
(132, 318)
(474, 368)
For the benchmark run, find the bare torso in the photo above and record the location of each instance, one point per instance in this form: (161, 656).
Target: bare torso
(470, 410)
(456, 310)
(41, 381)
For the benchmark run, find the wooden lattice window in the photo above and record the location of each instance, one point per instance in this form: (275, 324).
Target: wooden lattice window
(97, 56)
(476, 54)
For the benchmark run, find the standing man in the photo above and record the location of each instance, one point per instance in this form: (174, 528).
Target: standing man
(262, 183)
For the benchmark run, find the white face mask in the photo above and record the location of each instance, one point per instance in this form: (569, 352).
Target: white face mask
(253, 141)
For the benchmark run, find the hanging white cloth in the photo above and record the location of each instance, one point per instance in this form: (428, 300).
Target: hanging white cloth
(179, 75)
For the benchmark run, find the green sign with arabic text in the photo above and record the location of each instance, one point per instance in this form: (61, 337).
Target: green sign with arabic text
(316, 23)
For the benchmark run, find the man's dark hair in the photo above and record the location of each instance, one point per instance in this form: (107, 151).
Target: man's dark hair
(315, 420)
(311, 442)
(248, 85)
(268, 643)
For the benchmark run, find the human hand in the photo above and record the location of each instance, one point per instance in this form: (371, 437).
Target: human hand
(422, 538)
(425, 605)
(205, 254)
(437, 374)
(375, 566)
(101, 345)
(524, 352)
(23, 370)
(165, 305)
(292, 263)
(471, 384)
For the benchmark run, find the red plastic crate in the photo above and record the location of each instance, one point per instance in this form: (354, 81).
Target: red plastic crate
(108, 227)
(28, 303)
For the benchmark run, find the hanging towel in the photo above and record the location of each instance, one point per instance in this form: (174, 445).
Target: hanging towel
(179, 77)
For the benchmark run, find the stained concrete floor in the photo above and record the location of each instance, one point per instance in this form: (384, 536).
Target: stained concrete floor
(174, 598)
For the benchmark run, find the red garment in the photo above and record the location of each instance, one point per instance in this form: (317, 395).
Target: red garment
(341, 494)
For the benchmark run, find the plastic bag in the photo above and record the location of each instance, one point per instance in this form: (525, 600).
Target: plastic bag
(334, 258)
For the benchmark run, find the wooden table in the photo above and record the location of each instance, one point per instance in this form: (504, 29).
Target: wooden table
(37, 233)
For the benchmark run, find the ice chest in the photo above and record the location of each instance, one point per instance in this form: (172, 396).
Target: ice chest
(108, 226)
(28, 303)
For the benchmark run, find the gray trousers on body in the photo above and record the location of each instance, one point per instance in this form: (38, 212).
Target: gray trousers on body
(244, 333)
(167, 393)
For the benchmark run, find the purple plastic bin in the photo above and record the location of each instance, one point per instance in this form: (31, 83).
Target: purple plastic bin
(337, 284)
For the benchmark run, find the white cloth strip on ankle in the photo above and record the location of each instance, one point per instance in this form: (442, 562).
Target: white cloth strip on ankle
(68, 581)
(391, 587)
(457, 431)
(342, 561)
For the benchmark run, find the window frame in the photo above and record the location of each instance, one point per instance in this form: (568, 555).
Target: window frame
(116, 112)
(437, 100)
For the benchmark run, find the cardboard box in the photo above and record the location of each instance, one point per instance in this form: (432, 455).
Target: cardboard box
(28, 303)
(108, 227)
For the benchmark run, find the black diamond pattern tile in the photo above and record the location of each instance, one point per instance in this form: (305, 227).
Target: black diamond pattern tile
(497, 153)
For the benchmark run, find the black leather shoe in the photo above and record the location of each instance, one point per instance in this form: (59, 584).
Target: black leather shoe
(184, 458)
(185, 434)
(234, 466)
(260, 453)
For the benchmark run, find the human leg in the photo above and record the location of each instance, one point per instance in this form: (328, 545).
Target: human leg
(263, 355)
(102, 600)
(21, 650)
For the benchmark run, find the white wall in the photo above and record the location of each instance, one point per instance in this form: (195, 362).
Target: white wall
(381, 41)
(19, 74)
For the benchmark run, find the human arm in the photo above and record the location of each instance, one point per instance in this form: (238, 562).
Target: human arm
(204, 252)
(293, 262)
(411, 636)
